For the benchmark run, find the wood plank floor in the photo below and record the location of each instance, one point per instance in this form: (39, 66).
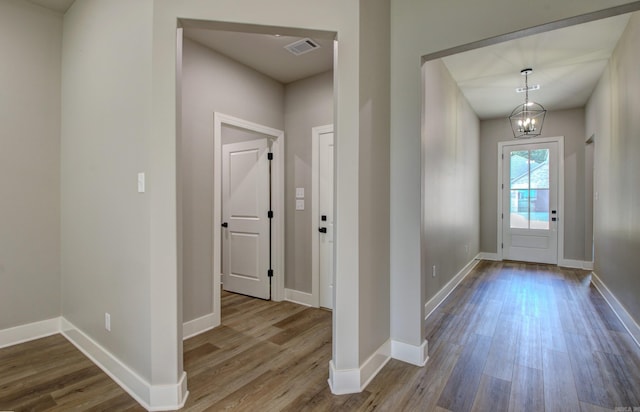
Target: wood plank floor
(511, 337)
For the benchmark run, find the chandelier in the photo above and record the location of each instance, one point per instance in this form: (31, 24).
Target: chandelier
(526, 119)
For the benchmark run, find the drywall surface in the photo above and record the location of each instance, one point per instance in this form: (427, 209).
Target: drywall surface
(212, 83)
(308, 103)
(30, 45)
(105, 222)
(567, 123)
(613, 119)
(373, 159)
(450, 192)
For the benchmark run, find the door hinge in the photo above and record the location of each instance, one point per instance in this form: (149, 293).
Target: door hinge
(502, 216)
(270, 214)
(501, 245)
(503, 185)
(269, 156)
(270, 273)
(502, 156)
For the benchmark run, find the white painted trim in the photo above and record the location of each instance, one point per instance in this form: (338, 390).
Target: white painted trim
(199, 325)
(489, 256)
(442, 294)
(151, 397)
(315, 210)
(301, 298)
(30, 331)
(355, 380)
(415, 355)
(576, 264)
(560, 141)
(627, 320)
(277, 172)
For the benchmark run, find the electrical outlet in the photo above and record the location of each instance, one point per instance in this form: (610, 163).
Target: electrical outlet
(433, 271)
(107, 322)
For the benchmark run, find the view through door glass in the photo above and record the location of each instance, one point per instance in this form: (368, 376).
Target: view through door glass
(529, 194)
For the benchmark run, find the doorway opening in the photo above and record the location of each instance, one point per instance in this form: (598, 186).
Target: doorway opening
(257, 92)
(248, 208)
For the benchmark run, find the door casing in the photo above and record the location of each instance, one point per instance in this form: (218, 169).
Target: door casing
(500, 220)
(277, 182)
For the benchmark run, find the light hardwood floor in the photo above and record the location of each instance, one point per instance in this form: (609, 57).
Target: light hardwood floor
(511, 337)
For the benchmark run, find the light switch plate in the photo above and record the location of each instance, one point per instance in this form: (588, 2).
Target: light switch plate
(300, 204)
(141, 182)
(299, 192)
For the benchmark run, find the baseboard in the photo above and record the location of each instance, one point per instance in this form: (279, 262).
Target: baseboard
(442, 294)
(627, 321)
(199, 325)
(301, 298)
(415, 355)
(30, 331)
(151, 397)
(576, 264)
(488, 256)
(345, 381)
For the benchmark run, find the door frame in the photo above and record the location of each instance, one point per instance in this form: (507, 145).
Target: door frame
(315, 209)
(560, 141)
(277, 201)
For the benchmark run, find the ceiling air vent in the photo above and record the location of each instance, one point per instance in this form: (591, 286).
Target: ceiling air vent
(302, 46)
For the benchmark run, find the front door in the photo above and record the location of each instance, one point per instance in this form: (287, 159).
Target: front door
(530, 202)
(245, 227)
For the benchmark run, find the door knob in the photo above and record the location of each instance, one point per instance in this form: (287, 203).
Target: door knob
(224, 224)
(322, 230)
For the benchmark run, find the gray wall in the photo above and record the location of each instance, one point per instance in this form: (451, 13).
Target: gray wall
(567, 123)
(373, 197)
(450, 194)
(30, 46)
(612, 116)
(212, 83)
(308, 103)
(106, 232)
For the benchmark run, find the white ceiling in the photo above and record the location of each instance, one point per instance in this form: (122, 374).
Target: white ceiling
(266, 53)
(61, 6)
(567, 64)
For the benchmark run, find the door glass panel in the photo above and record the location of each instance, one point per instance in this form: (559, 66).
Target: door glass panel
(539, 209)
(529, 184)
(519, 209)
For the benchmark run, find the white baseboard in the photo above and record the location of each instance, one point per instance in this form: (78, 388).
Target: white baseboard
(415, 355)
(488, 256)
(199, 325)
(151, 397)
(627, 321)
(345, 381)
(575, 264)
(301, 298)
(442, 294)
(30, 331)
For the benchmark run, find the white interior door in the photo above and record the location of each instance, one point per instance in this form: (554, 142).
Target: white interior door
(325, 231)
(245, 223)
(530, 202)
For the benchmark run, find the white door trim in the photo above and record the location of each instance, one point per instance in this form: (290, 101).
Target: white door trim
(560, 141)
(277, 174)
(315, 210)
